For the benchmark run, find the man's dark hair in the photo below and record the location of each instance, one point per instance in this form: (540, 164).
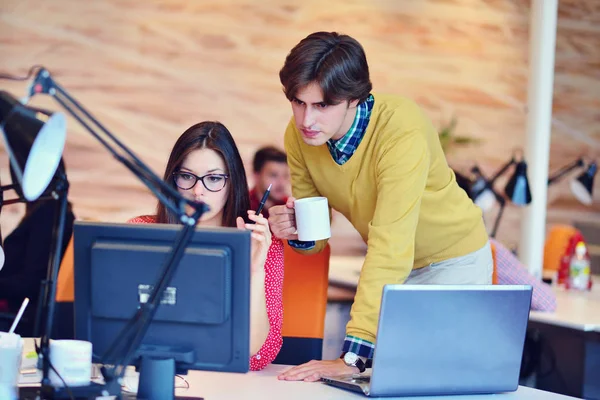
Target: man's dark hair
(337, 63)
(266, 154)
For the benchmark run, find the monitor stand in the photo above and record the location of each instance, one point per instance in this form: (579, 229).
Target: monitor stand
(156, 381)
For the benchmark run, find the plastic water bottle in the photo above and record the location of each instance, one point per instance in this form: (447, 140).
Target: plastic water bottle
(579, 268)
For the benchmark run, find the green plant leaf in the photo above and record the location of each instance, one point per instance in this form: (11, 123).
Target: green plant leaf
(448, 138)
(465, 140)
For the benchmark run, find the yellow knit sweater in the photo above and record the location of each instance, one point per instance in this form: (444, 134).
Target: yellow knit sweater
(400, 194)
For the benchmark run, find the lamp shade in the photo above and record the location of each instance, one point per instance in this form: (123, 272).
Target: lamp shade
(60, 173)
(478, 189)
(481, 194)
(583, 186)
(517, 188)
(34, 141)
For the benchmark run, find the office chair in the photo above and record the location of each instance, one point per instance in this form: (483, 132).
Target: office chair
(304, 304)
(495, 270)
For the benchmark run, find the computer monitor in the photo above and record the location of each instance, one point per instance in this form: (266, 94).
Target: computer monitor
(203, 319)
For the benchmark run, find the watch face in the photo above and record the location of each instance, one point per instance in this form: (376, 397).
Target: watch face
(350, 358)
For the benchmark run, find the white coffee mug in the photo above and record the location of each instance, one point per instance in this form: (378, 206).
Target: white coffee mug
(11, 350)
(312, 218)
(73, 361)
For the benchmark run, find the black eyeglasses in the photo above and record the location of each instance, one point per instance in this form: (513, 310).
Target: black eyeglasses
(212, 182)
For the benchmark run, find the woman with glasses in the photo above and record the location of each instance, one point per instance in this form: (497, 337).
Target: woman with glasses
(205, 166)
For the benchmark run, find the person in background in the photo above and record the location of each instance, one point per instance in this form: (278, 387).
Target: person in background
(270, 168)
(205, 166)
(510, 271)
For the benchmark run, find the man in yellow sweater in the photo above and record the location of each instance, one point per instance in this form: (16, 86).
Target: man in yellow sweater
(378, 160)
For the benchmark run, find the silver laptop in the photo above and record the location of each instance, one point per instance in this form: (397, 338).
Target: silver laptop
(446, 340)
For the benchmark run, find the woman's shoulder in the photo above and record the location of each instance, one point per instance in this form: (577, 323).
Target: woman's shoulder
(143, 219)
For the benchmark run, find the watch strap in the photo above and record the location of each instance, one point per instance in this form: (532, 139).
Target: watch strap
(360, 364)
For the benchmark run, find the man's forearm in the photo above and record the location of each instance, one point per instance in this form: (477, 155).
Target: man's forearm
(359, 346)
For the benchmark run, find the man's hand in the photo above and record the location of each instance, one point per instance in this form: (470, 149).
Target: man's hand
(314, 370)
(282, 220)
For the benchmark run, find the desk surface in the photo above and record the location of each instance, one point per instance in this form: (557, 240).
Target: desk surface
(576, 310)
(264, 385)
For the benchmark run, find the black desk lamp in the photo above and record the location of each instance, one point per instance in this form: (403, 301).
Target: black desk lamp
(57, 191)
(481, 190)
(33, 149)
(582, 187)
(34, 142)
(483, 194)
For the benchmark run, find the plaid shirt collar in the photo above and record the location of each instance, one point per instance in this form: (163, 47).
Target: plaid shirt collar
(342, 149)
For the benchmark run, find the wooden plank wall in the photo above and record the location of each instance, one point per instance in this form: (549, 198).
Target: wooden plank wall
(149, 69)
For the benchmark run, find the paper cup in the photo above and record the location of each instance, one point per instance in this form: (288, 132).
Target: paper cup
(11, 349)
(312, 218)
(73, 361)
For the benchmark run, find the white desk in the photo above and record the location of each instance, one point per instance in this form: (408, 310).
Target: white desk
(569, 339)
(571, 334)
(576, 310)
(264, 385)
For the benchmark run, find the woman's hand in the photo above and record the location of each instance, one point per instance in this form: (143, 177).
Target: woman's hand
(261, 239)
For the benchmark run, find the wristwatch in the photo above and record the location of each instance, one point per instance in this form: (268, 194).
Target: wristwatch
(353, 360)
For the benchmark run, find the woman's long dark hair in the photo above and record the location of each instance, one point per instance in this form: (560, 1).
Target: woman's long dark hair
(214, 136)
